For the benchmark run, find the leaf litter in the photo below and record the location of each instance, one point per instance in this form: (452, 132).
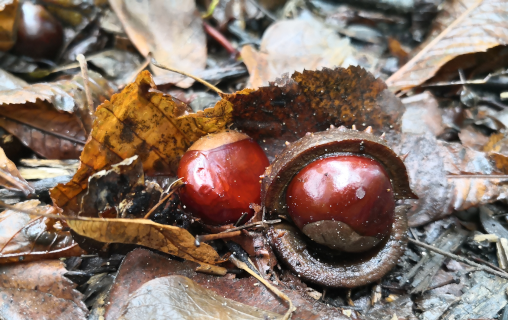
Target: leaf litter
(453, 167)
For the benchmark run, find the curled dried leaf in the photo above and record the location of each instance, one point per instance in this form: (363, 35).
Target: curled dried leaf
(25, 237)
(168, 239)
(52, 118)
(10, 177)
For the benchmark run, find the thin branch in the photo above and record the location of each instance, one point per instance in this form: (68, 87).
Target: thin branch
(84, 73)
(208, 84)
(252, 225)
(177, 184)
(215, 236)
(242, 265)
(221, 39)
(459, 258)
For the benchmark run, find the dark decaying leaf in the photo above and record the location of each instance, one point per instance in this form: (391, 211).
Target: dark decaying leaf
(312, 101)
(142, 265)
(422, 115)
(140, 121)
(39, 290)
(24, 237)
(490, 224)
(10, 177)
(453, 178)
(179, 297)
(52, 118)
(120, 192)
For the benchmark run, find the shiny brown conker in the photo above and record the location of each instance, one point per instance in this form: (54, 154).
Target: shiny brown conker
(221, 174)
(40, 35)
(354, 190)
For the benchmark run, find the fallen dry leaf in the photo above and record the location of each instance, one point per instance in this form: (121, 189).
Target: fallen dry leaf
(26, 237)
(312, 101)
(144, 122)
(171, 30)
(52, 119)
(479, 25)
(142, 265)
(10, 177)
(39, 290)
(422, 115)
(472, 138)
(453, 178)
(8, 81)
(165, 296)
(295, 45)
(169, 239)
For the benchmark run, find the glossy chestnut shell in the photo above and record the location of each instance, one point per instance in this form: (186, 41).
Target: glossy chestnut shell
(221, 174)
(352, 190)
(314, 261)
(40, 35)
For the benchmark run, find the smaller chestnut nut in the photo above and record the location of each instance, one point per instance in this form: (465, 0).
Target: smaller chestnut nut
(339, 187)
(221, 174)
(40, 35)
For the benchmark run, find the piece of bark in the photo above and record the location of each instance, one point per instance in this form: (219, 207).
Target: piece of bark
(423, 272)
(484, 300)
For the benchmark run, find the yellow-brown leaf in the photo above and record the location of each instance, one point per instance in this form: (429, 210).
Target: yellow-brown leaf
(139, 121)
(169, 239)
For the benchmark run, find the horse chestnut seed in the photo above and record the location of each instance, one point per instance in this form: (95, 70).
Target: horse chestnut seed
(221, 174)
(40, 35)
(351, 192)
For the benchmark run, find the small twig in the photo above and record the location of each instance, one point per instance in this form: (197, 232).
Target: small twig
(348, 298)
(442, 284)
(175, 185)
(240, 219)
(219, 37)
(461, 259)
(251, 225)
(394, 288)
(84, 73)
(242, 265)
(263, 10)
(215, 236)
(208, 84)
(486, 263)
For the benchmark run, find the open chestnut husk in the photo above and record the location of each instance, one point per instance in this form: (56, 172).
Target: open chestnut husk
(339, 188)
